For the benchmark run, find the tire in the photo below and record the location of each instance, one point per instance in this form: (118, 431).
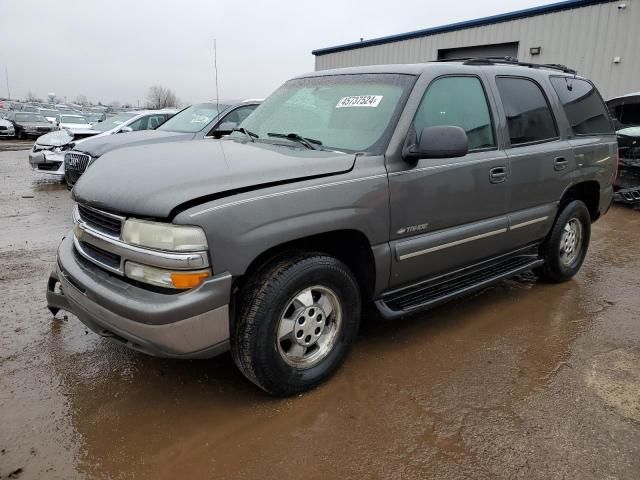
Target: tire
(20, 135)
(561, 262)
(287, 291)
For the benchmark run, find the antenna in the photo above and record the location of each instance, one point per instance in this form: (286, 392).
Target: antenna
(215, 67)
(6, 71)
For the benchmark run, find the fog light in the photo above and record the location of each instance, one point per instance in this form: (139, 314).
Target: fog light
(165, 278)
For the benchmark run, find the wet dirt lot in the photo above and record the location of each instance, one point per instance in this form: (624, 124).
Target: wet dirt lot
(524, 380)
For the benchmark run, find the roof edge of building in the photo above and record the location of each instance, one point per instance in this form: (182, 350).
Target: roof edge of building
(452, 27)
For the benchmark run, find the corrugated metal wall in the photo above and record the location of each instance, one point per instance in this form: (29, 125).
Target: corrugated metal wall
(586, 38)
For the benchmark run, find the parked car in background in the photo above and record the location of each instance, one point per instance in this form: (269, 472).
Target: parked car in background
(47, 154)
(49, 114)
(7, 129)
(76, 124)
(94, 118)
(625, 111)
(29, 124)
(202, 120)
(396, 186)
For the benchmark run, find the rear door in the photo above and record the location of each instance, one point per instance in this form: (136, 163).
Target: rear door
(449, 212)
(541, 160)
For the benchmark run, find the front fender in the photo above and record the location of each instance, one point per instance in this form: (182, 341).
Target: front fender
(242, 227)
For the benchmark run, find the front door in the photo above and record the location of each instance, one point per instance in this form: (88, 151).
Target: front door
(450, 212)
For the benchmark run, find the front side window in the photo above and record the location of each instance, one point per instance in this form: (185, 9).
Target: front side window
(459, 102)
(114, 121)
(353, 113)
(529, 117)
(139, 124)
(585, 110)
(239, 114)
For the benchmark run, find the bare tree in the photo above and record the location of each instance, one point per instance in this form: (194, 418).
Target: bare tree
(81, 100)
(31, 97)
(160, 97)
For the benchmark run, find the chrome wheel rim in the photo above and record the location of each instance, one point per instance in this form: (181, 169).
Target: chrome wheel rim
(309, 327)
(571, 241)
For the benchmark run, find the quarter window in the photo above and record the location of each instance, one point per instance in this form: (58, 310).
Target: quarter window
(585, 110)
(529, 117)
(459, 102)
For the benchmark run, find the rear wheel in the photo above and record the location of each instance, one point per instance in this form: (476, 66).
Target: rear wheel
(566, 246)
(297, 319)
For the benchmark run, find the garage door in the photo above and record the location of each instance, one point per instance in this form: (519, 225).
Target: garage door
(494, 50)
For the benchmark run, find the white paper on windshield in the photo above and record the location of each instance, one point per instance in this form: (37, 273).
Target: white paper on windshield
(359, 101)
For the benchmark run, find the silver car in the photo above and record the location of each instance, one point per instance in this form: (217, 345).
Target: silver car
(47, 154)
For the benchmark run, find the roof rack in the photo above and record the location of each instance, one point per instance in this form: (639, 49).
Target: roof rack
(510, 61)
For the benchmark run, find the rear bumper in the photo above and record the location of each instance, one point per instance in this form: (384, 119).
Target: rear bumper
(192, 324)
(46, 161)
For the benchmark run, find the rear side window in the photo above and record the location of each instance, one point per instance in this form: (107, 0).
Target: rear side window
(585, 110)
(460, 102)
(529, 117)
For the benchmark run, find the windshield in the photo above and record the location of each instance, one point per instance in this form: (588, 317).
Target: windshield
(344, 112)
(30, 117)
(192, 119)
(73, 119)
(49, 113)
(113, 122)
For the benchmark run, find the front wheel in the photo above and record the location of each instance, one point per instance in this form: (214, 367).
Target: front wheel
(565, 248)
(20, 135)
(297, 319)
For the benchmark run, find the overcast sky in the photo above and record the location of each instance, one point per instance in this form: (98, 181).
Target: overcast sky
(115, 49)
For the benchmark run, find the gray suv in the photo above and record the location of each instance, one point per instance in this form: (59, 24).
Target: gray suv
(401, 186)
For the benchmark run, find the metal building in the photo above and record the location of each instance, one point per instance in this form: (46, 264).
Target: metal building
(599, 38)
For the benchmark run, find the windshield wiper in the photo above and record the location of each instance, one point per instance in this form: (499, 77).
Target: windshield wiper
(310, 143)
(250, 135)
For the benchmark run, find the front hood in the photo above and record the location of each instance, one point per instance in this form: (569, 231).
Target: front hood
(152, 180)
(54, 139)
(98, 146)
(78, 127)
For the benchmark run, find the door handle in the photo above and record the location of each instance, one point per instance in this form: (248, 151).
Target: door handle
(560, 163)
(497, 174)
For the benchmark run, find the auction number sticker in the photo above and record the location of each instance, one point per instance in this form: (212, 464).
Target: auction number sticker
(360, 101)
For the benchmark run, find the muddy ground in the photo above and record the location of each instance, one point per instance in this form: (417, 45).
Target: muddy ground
(524, 380)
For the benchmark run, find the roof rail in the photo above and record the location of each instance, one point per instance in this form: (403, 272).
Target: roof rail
(508, 61)
(513, 61)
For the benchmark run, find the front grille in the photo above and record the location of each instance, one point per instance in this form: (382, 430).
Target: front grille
(2, 127)
(100, 221)
(101, 256)
(74, 165)
(43, 129)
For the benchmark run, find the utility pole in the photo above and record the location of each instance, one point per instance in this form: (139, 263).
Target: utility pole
(6, 71)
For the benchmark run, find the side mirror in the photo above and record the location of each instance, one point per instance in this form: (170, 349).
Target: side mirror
(125, 130)
(438, 142)
(225, 128)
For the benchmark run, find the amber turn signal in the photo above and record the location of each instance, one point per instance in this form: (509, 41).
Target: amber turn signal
(187, 280)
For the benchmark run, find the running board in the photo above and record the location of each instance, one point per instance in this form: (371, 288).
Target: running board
(441, 289)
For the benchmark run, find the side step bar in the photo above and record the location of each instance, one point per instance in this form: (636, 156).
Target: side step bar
(441, 289)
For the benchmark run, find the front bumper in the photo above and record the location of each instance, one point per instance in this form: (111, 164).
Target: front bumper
(192, 324)
(7, 133)
(47, 161)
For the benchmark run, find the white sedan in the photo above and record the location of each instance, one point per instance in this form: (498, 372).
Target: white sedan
(47, 154)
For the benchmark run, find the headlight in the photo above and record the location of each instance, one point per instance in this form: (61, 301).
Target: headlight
(165, 278)
(164, 236)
